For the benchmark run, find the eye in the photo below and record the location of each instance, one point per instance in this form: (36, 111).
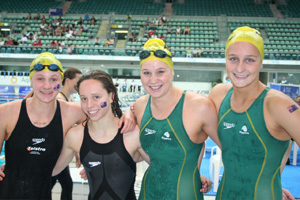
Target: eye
(233, 59)
(53, 79)
(96, 97)
(146, 73)
(161, 72)
(250, 60)
(83, 98)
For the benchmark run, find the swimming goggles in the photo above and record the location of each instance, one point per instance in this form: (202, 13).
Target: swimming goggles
(41, 67)
(158, 53)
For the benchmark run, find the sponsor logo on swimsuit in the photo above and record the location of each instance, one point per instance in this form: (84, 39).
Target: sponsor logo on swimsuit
(35, 150)
(149, 131)
(94, 164)
(37, 140)
(244, 130)
(166, 136)
(228, 125)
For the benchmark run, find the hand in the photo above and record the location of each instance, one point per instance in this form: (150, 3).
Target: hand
(206, 184)
(78, 163)
(129, 122)
(2, 175)
(286, 195)
(83, 174)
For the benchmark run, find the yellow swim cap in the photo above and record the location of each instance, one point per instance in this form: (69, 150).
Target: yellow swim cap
(247, 34)
(45, 59)
(157, 44)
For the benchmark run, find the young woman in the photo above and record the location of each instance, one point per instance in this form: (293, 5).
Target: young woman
(34, 130)
(255, 123)
(107, 156)
(174, 125)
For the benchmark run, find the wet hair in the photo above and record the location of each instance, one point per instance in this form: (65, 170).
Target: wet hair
(70, 74)
(108, 85)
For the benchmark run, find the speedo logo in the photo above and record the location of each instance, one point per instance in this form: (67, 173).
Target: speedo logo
(228, 125)
(94, 164)
(37, 140)
(149, 131)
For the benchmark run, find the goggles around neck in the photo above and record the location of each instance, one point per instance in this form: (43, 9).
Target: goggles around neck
(158, 53)
(41, 67)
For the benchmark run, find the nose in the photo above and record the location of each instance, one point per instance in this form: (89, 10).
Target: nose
(153, 78)
(89, 103)
(47, 84)
(240, 67)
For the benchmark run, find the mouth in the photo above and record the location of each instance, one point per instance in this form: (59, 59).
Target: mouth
(241, 76)
(155, 87)
(47, 93)
(92, 112)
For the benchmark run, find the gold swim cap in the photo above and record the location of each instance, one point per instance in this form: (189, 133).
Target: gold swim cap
(247, 34)
(157, 44)
(45, 59)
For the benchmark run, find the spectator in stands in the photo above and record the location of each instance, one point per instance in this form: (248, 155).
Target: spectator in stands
(187, 31)
(43, 28)
(85, 28)
(39, 42)
(162, 37)
(86, 17)
(130, 37)
(107, 42)
(154, 35)
(178, 30)
(147, 21)
(60, 19)
(24, 39)
(53, 43)
(97, 41)
(8, 41)
(93, 21)
(34, 43)
(150, 33)
(135, 37)
(51, 30)
(28, 16)
(15, 42)
(164, 20)
(50, 19)
(169, 30)
(62, 43)
(69, 34)
(128, 18)
(112, 41)
(80, 22)
(74, 24)
(34, 36)
(189, 52)
(37, 17)
(266, 117)
(195, 52)
(70, 49)
(2, 43)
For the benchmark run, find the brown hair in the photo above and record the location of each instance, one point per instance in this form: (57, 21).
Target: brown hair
(108, 85)
(70, 74)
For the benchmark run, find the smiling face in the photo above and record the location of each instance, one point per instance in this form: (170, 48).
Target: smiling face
(243, 63)
(156, 77)
(95, 100)
(46, 85)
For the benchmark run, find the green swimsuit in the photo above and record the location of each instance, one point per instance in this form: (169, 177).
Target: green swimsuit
(173, 172)
(251, 155)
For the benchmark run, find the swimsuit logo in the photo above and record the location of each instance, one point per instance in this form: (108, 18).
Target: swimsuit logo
(244, 130)
(94, 164)
(228, 125)
(149, 131)
(166, 136)
(35, 150)
(37, 140)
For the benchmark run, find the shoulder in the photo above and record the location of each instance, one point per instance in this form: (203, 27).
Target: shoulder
(139, 107)
(10, 109)
(71, 111)
(276, 100)
(60, 96)
(197, 102)
(218, 93)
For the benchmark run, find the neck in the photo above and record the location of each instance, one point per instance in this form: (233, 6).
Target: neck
(166, 99)
(40, 107)
(104, 126)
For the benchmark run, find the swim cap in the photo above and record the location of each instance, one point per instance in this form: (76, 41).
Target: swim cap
(247, 34)
(45, 59)
(157, 44)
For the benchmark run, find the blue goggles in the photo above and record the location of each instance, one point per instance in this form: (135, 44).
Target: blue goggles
(41, 67)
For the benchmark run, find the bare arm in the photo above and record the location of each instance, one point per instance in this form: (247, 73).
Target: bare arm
(71, 146)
